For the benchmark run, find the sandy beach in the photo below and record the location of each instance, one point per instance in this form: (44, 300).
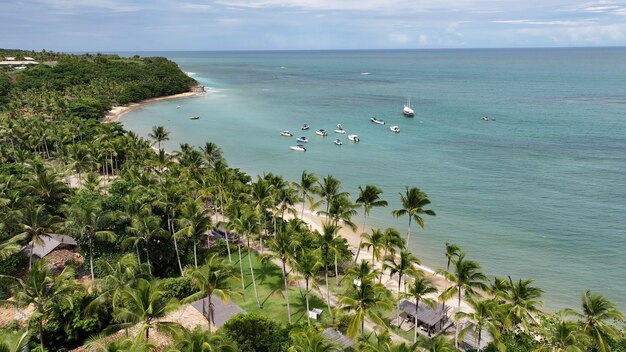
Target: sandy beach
(118, 111)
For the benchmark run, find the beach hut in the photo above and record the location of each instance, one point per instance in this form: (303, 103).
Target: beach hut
(221, 311)
(337, 338)
(56, 249)
(430, 320)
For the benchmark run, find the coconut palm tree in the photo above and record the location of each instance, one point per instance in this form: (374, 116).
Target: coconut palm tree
(418, 290)
(89, 221)
(413, 203)
(194, 222)
(36, 224)
(369, 197)
(310, 340)
(562, 336)
(145, 304)
(437, 344)
(306, 188)
(212, 278)
(467, 278)
(365, 299)
(199, 340)
(373, 241)
(212, 153)
(362, 272)
(246, 225)
(479, 320)
(401, 265)
(307, 263)
(596, 313)
(327, 244)
(452, 251)
(144, 228)
(263, 196)
(328, 190)
(392, 241)
(159, 134)
(283, 246)
(42, 288)
(521, 302)
(14, 343)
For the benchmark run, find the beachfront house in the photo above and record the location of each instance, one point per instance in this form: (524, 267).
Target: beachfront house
(221, 311)
(429, 320)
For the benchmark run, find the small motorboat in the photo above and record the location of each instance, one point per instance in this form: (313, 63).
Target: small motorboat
(340, 129)
(378, 121)
(177, 106)
(302, 140)
(337, 142)
(322, 133)
(395, 129)
(298, 148)
(485, 118)
(305, 127)
(354, 138)
(194, 117)
(286, 134)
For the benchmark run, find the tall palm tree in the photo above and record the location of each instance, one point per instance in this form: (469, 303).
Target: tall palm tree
(401, 265)
(159, 134)
(365, 299)
(562, 336)
(373, 241)
(213, 278)
(199, 340)
(246, 225)
(369, 197)
(596, 313)
(452, 251)
(362, 272)
(144, 228)
(310, 340)
(212, 153)
(418, 290)
(306, 263)
(392, 241)
(467, 278)
(306, 188)
(328, 190)
(437, 344)
(263, 196)
(283, 246)
(41, 288)
(145, 304)
(36, 224)
(413, 203)
(479, 320)
(194, 222)
(522, 301)
(327, 244)
(89, 221)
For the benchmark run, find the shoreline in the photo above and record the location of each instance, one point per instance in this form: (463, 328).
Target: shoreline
(118, 111)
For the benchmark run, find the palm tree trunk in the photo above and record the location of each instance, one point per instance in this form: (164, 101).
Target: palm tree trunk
(256, 294)
(30, 257)
(40, 323)
(360, 242)
(138, 256)
(147, 333)
(303, 201)
(306, 297)
(195, 254)
(243, 282)
(230, 260)
(456, 328)
(170, 226)
(287, 293)
(417, 302)
(398, 301)
(330, 313)
(91, 258)
(336, 272)
(210, 315)
(408, 231)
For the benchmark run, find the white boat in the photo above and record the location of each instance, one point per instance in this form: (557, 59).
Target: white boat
(194, 117)
(354, 138)
(322, 133)
(298, 148)
(485, 118)
(407, 111)
(286, 134)
(337, 142)
(378, 121)
(177, 106)
(340, 129)
(395, 129)
(302, 140)
(305, 127)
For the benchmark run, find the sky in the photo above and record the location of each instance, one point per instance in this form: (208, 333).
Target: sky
(141, 25)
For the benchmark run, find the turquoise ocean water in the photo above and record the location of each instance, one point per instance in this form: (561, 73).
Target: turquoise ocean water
(538, 192)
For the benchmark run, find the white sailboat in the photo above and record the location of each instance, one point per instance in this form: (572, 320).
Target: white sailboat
(407, 111)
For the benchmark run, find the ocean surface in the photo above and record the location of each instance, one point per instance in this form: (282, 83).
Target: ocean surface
(537, 192)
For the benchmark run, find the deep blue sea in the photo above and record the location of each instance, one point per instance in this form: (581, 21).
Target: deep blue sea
(537, 192)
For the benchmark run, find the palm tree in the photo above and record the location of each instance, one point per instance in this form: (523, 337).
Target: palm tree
(307, 263)
(145, 227)
(198, 340)
(282, 246)
(327, 243)
(194, 222)
(306, 187)
(212, 153)
(17, 343)
(480, 319)
(310, 340)
(369, 197)
(562, 336)
(145, 304)
(452, 251)
(413, 203)
(328, 189)
(263, 196)
(89, 221)
(364, 300)
(363, 271)
(467, 278)
(41, 289)
(159, 134)
(374, 241)
(246, 225)
(392, 241)
(597, 310)
(127, 344)
(521, 302)
(213, 278)
(401, 265)
(36, 224)
(437, 344)
(418, 290)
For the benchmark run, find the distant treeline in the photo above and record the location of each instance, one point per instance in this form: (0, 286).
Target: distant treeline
(87, 85)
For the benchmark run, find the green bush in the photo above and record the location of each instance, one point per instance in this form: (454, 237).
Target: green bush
(177, 287)
(11, 267)
(256, 333)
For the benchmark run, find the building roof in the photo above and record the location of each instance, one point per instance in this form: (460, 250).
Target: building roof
(51, 242)
(425, 314)
(337, 338)
(221, 311)
(9, 58)
(15, 63)
(28, 58)
(470, 339)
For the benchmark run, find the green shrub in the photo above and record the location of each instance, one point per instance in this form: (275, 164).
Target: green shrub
(256, 333)
(177, 287)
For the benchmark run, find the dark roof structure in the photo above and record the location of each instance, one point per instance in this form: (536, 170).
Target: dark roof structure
(471, 338)
(221, 311)
(49, 243)
(425, 314)
(337, 338)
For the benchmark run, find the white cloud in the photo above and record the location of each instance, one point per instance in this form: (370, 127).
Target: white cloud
(540, 23)
(399, 38)
(82, 5)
